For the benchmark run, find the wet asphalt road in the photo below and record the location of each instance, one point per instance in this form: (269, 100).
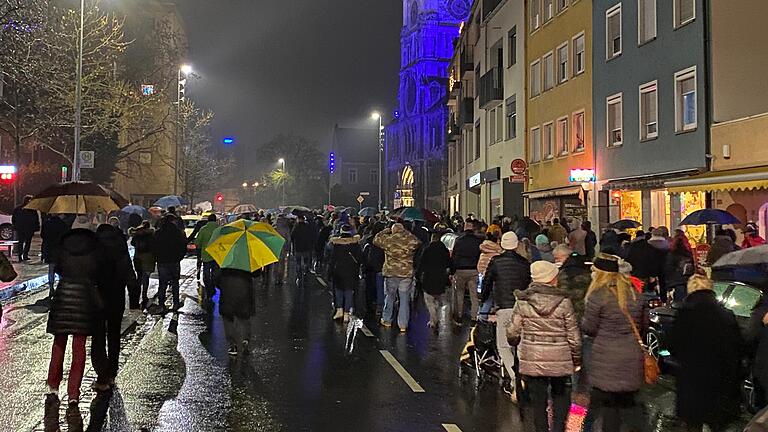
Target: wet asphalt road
(177, 375)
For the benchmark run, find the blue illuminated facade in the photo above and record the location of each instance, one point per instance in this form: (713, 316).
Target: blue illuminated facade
(415, 138)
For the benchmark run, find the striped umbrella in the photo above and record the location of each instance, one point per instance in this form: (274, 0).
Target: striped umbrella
(245, 245)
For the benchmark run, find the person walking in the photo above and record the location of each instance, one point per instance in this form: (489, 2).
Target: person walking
(612, 310)
(647, 261)
(466, 255)
(577, 240)
(142, 239)
(74, 311)
(590, 242)
(545, 248)
(507, 273)
(489, 249)
(547, 336)
(26, 222)
(346, 259)
(303, 242)
(707, 342)
(752, 237)
(374, 262)
(169, 247)
(678, 267)
(574, 277)
(757, 337)
(399, 248)
(209, 265)
(722, 244)
(433, 269)
(53, 229)
(323, 235)
(557, 232)
(236, 306)
(117, 275)
(280, 268)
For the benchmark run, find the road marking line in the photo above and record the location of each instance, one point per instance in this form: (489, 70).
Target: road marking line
(450, 427)
(322, 282)
(367, 332)
(402, 372)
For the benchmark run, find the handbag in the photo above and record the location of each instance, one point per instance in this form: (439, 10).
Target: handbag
(651, 368)
(7, 272)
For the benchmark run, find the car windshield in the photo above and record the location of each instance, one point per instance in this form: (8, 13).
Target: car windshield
(719, 289)
(742, 300)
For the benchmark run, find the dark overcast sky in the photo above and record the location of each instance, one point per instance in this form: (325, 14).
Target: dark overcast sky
(292, 66)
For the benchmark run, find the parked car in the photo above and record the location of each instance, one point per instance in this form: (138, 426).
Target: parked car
(7, 232)
(738, 297)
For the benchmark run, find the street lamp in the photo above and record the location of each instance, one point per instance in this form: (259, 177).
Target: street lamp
(245, 185)
(181, 79)
(376, 116)
(78, 95)
(282, 162)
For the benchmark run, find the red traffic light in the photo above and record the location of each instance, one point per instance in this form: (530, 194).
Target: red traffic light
(219, 197)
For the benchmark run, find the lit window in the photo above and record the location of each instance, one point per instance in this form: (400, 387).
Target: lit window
(649, 119)
(685, 12)
(579, 61)
(549, 71)
(646, 20)
(535, 145)
(615, 120)
(549, 140)
(535, 78)
(562, 63)
(613, 32)
(685, 100)
(562, 136)
(578, 132)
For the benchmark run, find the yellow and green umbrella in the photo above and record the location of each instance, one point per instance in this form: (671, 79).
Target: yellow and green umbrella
(245, 245)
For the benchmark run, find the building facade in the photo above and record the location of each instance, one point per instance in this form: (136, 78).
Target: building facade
(354, 167)
(415, 138)
(487, 104)
(558, 129)
(650, 107)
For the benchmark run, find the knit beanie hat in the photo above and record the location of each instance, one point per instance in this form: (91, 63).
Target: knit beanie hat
(543, 272)
(509, 241)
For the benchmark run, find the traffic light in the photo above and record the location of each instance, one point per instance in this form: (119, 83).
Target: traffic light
(219, 197)
(7, 173)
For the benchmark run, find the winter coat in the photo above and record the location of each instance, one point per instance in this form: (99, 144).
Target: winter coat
(77, 303)
(399, 249)
(322, 239)
(678, 267)
(434, 266)
(545, 253)
(757, 341)
(303, 238)
(134, 220)
(721, 245)
(574, 279)
(346, 258)
(647, 261)
(577, 241)
(283, 227)
(237, 293)
(117, 270)
(25, 221)
(466, 251)
(752, 240)
(616, 359)
(142, 240)
(169, 244)
(374, 257)
(203, 238)
(507, 273)
(488, 250)
(557, 233)
(706, 341)
(53, 229)
(590, 243)
(545, 325)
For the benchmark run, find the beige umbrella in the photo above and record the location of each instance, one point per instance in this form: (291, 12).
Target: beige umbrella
(73, 198)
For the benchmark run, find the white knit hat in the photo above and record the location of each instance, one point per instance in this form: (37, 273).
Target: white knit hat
(509, 241)
(543, 272)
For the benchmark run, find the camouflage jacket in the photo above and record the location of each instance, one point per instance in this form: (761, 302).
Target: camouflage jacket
(399, 249)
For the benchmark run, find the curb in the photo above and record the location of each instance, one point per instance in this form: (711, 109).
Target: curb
(29, 286)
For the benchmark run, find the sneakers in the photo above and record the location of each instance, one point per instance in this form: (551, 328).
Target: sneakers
(74, 419)
(346, 317)
(232, 350)
(510, 391)
(403, 329)
(51, 416)
(339, 314)
(386, 323)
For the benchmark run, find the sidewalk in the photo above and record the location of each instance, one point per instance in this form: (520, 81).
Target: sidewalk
(33, 274)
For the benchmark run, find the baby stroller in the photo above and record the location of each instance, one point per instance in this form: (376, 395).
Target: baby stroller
(480, 354)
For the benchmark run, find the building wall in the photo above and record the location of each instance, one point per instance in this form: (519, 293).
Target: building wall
(672, 51)
(747, 139)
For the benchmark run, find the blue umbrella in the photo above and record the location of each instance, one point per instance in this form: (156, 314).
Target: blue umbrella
(368, 212)
(710, 217)
(171, 201)
(136, 209)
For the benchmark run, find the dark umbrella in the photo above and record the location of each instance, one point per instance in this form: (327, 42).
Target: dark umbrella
(368, 212)
(415, 214)
(625, 224)
(136, 209)
(710, 217)
(171, 201)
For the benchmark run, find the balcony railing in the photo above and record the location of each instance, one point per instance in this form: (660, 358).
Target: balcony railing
(466, 111)
(466, 62)
(491, 88)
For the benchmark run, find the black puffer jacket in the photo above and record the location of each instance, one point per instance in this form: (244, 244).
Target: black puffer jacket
(346, 259)
(506, 273)
(53, 229)
(237, 293)
(433, 268)
(77, 302)
(169, 245)
(466, 251)
(117, 270)
(303, 238)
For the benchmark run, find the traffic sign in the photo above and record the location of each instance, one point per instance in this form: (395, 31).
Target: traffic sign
(87, 158)
(518, 167)
(360, 199)
(365, 194)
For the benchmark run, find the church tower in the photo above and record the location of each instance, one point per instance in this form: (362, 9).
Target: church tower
(416, 137)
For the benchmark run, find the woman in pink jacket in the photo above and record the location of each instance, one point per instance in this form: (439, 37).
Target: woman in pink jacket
(488, 249)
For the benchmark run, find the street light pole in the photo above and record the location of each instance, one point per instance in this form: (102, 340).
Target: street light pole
(181, 88)
(282, 161)
(79, 96)
(377, 116)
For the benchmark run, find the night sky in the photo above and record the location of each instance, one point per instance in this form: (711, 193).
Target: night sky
(292, 66)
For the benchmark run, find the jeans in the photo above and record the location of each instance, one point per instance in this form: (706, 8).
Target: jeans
(51, 278)
(394, 288)
(374, 289)
(303, 263)
(209, 278)
(76, 369)
(25, 242)
(540, 389)
(169, 275)
(105, 360)
(616, 409)
(345, 299)
(465, 281)
(506, 351)
(434, 304)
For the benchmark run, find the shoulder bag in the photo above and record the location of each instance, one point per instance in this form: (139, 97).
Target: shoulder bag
(650, 364)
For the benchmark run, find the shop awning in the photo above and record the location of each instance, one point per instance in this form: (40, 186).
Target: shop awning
(646, 182)
(743, 179)
(549, 193)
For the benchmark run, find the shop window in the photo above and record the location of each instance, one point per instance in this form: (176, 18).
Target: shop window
(631, 206)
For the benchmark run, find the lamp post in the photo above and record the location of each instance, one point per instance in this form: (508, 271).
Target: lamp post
(377, 116)
(181, 81)
(78, 96)
(282, 161)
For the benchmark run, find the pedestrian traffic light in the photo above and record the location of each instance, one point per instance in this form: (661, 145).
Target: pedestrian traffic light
(219, 197)
(7, 173)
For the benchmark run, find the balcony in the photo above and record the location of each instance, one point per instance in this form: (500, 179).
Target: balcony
(466, 62)
(453, 128)
(454, 88)
(491, 88)
(466, 111)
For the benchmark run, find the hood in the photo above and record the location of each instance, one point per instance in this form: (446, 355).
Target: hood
(141, 231)
(488, 247)
(543, 298)
(344, 240)
(112, 241)
(79, 241)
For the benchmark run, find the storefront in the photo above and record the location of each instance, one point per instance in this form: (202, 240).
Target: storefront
(567, 203)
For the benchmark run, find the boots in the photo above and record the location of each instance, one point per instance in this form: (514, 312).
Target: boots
(74, 419)
(51, 416)
(346, 317)
(339, 314)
